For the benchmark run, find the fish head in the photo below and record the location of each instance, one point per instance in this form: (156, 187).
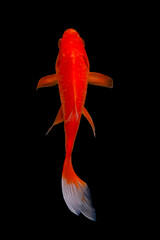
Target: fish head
(71, 38)
(71, 45)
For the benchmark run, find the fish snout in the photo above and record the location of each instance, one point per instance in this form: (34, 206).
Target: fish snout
(70, 31)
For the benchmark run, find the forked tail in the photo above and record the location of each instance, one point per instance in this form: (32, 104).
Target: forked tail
(76, 192)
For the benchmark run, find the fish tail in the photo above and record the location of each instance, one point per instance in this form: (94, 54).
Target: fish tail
(76, 192)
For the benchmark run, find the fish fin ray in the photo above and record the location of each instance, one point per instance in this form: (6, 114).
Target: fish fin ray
(88, 117)
(58, 119)
(73, 115)
(86, 209)
(76, 192)
(47, 81)
(99, 79)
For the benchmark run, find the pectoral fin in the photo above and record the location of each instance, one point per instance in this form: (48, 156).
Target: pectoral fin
(48, 81)
(86, 114)
(100, 80)
(58, 119)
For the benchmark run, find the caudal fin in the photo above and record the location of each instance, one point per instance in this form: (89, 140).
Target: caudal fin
(76, 192)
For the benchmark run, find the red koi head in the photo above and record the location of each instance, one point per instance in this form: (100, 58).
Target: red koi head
(71, 39)
(71, 45)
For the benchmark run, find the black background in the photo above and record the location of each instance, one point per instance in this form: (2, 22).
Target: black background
(106, 163)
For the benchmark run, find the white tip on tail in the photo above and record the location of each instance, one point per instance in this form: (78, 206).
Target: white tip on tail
(77, 197)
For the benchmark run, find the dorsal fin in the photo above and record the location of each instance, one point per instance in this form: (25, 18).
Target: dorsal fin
(73, 115)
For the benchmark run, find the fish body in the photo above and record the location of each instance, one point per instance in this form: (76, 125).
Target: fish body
(72, 68)
(72, 76)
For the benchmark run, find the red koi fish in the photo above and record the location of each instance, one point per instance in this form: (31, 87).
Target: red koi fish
(73, 76)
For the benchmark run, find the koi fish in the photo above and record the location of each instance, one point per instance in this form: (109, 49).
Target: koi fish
(73, 76)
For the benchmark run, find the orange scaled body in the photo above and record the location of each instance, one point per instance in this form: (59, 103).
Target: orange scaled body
(72, 76)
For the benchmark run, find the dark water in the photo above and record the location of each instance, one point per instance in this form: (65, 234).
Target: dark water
(108, 163)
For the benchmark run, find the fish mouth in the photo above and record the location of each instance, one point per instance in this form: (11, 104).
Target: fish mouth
(70, 30)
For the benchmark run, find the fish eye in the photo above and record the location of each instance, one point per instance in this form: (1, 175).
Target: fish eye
(59, 42)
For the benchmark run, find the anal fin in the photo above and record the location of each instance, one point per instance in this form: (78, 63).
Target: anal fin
(58, 119)
(87, 115)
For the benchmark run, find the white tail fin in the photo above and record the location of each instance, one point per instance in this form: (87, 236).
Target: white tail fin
(76, 192)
